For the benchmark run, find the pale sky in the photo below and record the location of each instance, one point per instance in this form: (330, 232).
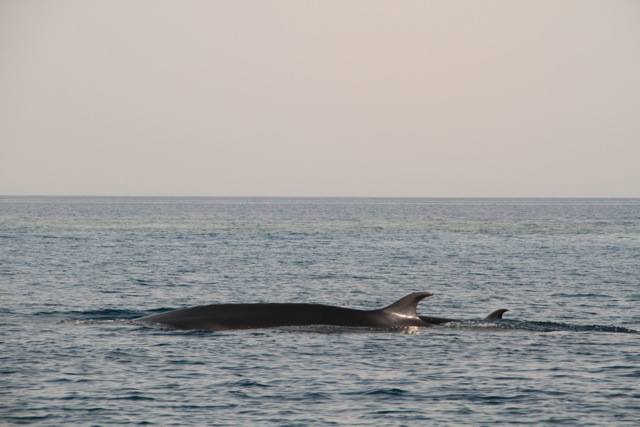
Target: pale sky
(324, 98)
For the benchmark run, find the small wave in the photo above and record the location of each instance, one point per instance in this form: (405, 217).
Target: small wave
(135, 396)
(28, 419)
(336, 329)
(60, 237)
(387, 392)
(143, 282)
(556, 326)
(537, 326)
(248, 383)
(102, 314)
(390, 392)
(578, 295)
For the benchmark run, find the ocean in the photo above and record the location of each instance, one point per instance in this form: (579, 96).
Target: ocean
(76, 271)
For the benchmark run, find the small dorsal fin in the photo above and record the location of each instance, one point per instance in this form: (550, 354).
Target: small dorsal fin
(407, 305)
(496, 315)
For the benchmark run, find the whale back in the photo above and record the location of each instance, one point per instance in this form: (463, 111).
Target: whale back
(218, 317)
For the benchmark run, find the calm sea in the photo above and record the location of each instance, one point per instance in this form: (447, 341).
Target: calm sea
(75, 271)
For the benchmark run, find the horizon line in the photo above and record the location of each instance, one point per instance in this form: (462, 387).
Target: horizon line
(307, 197)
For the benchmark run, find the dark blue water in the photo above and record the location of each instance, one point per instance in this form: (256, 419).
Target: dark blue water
(75, 271)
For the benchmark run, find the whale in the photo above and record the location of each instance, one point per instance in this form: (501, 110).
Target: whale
(431, 320)
(219, 317)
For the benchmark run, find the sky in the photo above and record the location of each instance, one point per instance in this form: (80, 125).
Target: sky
(451, 98)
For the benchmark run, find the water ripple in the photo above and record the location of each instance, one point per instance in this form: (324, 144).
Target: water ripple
(75, 273)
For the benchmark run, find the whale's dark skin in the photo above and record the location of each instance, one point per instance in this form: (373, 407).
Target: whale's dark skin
(430, 320)
(218, 317)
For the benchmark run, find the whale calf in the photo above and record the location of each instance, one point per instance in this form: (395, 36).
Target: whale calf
(430, 320)
(219, 317)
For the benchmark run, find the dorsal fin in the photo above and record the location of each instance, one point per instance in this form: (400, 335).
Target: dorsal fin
(406, 306)
(496, 315)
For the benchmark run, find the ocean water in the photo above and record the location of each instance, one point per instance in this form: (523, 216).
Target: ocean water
(74, 272)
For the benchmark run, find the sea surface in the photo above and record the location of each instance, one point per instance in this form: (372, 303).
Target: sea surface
(76, 271)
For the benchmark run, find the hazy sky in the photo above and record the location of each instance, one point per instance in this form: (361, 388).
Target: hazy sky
(322, 98)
